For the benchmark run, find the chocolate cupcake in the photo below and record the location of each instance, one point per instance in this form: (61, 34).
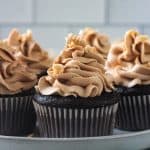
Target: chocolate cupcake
(17, 115)
(129, 63)
(76, 98)
(21, 62)
(29, 51)
(96, 39)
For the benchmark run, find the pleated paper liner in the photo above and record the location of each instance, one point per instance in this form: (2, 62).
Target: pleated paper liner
(60, 117)
(17, 115)
(134, 113)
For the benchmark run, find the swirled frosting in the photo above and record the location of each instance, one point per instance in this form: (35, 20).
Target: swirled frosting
(77, 71)
(28, 51)
(129, 60)
(100, 41)
(14, 75)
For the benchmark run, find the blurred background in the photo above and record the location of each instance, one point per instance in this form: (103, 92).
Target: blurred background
(51, 20)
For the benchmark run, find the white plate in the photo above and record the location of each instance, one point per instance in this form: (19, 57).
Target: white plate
(119, 141)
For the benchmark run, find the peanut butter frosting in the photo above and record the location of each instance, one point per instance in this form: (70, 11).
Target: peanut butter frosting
(28, 51)
(14, 75)
(100, 41)
(129, 60)
(77, 71)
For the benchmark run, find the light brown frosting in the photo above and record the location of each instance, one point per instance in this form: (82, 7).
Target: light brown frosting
(14, 75)
(100, 41)
(77, 71)
(28, 51)
(129, 60)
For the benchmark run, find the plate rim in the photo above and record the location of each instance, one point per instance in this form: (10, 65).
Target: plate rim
(109, 137)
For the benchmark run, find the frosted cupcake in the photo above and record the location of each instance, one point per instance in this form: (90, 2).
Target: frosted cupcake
(96, 39)
(21, 62)
(76, 98)
(17, 115)
(129, 63)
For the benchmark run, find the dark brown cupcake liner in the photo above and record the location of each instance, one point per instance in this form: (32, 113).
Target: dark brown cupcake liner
(17, 115)
(134, 112)
(75, 122)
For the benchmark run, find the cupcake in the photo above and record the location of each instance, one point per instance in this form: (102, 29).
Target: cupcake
(22, 61)
(100, 41)
(29, 51)
(129, 63)
(76, 98)
(17, 115)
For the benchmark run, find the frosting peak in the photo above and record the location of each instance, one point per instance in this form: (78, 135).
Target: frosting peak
(77, 71)
(28, 51)
(99, 41)
(129, 60)
(5, 54)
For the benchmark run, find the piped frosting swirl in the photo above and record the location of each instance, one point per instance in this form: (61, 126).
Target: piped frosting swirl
(77, 71)
(14, 75)
(129, 60)
(28, 51)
